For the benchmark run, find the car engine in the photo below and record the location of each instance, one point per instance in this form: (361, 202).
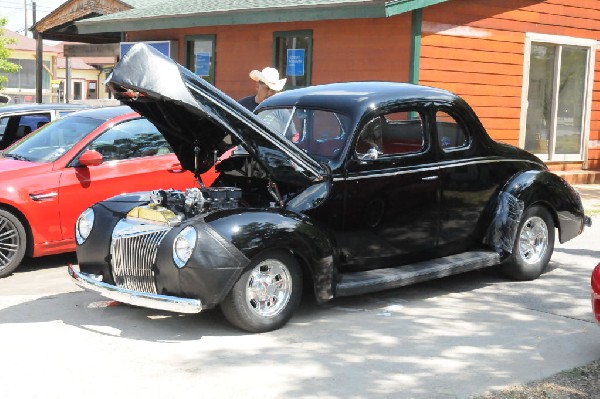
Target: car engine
(173, 206)
(196, 200)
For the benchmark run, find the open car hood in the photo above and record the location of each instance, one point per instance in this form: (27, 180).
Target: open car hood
(199, 121)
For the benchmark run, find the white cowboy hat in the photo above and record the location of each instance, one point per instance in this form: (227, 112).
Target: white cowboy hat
(270, 77)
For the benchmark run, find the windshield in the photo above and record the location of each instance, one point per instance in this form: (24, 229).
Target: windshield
(51, 141)
(321, 134)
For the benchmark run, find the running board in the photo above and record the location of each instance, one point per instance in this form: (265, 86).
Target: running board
(356, 283)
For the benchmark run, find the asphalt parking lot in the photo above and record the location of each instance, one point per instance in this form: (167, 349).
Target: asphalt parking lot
(449, 338)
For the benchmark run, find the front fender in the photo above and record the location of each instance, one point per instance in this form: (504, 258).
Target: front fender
(255, 231)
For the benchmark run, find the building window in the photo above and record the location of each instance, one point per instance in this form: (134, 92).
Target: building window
(200, 56)
(92, 90)
(292, 56)
(557, 93)
(25, 77)
(77, 90)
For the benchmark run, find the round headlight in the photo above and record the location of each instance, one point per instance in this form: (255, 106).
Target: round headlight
(84, 225)
(184, 245)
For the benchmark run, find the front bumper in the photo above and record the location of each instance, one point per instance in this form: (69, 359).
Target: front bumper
(147, 300)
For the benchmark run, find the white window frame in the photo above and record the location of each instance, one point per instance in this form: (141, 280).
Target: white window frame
(592, 45)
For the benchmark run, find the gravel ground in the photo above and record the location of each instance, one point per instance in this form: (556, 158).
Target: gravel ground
(578, 383)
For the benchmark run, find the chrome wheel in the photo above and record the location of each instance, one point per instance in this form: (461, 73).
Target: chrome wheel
(267, 294)
(269, 288)
(13, 241)
(533, 247)
(9, 242)
(533, 240)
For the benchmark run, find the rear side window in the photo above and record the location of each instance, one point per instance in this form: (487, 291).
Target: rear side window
(132, 139)
(451, 134)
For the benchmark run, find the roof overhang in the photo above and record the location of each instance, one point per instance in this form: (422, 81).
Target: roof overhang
(129, 21)
(401, 6)
(60, 24)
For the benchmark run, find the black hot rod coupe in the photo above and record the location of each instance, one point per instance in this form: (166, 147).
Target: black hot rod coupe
(345, 188)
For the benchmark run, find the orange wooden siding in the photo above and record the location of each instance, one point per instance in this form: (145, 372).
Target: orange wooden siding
(343, 50)
(475, 48)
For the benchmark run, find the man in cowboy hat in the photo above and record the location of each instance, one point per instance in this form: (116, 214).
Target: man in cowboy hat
(267, 84)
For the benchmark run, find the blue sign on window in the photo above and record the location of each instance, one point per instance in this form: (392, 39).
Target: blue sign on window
(202, 64)
(295, 62)
(163, 47)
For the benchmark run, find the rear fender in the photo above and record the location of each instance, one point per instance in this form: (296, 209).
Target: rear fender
(535, 188)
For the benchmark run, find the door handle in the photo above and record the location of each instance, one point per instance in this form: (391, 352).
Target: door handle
(42, 195)
(429, 178)
(176, 168)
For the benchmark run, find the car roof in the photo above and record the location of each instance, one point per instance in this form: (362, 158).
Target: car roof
(16, 108)
(356, 97)
(104, 113)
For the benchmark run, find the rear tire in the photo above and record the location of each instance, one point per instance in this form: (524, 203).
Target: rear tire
(533, 245)
(266, 296)
(13, 241)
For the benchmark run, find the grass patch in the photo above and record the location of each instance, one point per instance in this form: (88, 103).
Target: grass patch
(592, 212)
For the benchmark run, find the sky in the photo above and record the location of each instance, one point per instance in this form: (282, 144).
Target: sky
(14, 10)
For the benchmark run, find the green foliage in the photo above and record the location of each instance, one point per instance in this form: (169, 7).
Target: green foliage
(5, 66)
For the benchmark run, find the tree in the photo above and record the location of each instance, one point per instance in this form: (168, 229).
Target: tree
(5, 66)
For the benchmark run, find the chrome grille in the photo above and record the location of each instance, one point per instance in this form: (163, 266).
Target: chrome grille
(133, 249)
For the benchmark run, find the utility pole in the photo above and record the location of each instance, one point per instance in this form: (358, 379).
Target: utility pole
(26, 24)
(39, 58)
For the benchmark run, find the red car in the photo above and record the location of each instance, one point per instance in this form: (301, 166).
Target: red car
(596, 292)
(51, 176)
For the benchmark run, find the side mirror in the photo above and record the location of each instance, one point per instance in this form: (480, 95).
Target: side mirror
(90, 158)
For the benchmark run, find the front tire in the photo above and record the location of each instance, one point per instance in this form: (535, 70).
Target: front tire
(13, 242)
(533, 246)
(266, 296)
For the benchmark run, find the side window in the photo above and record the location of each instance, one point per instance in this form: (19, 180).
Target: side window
(29, 123)
(131, 139)
(396, 133)
(451, 134)
(3, 124)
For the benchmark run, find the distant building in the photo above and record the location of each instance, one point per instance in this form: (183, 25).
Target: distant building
(21, 85)
(87, 74)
